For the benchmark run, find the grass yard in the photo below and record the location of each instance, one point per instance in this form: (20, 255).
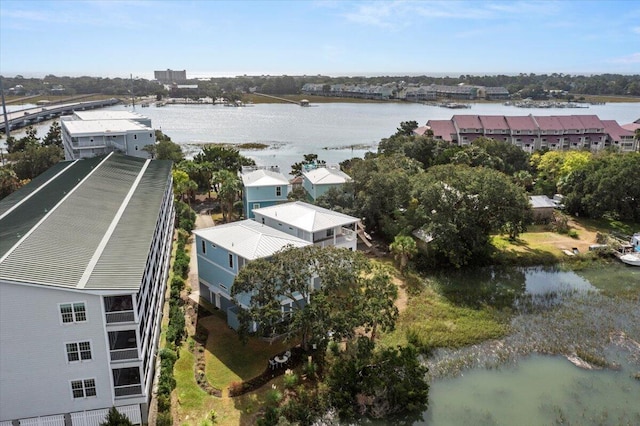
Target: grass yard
(228, 360)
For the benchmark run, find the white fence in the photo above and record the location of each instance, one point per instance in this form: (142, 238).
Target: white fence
(95, 417)
(57, 420)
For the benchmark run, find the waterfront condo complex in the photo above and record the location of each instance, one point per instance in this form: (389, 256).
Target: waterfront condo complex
(86, 134)
(84, 259)
(529, 132)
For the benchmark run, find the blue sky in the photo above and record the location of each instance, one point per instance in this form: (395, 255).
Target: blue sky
(217, 38)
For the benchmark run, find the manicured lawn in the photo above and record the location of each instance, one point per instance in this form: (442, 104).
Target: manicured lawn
(228, 360)
(194, 405)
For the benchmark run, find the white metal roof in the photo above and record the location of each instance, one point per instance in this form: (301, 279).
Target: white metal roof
(263, 178)
(249, 239)
(540, 201)
(105, 114)
(92, 127)
(305, 216)
(326, 175)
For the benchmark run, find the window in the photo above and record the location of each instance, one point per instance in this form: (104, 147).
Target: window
(256, 206)
(330, 232)
(80, 351)
(73, 312)
(278, 191)
(230, 260)
(204, 246)
(135, 136)
(83, 388)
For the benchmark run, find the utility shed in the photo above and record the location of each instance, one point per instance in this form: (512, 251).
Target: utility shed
(542, 208)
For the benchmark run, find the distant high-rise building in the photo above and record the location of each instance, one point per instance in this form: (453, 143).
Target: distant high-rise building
(170, 76)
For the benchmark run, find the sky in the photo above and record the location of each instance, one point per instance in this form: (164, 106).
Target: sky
(111, 38)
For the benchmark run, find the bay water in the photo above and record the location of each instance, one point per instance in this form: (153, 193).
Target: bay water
(334, 131)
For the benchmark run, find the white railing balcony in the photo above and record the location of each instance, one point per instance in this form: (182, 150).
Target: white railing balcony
(120, 316)
(345, 235)
(123, 354)
(129, 390)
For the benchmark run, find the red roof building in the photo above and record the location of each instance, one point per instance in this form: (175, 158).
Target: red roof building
(559, 132)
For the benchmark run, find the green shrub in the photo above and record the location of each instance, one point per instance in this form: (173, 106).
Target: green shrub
(177, 282)
(164, 403)
(164, 419)
(290, 380)
(573, 233)
(166, 383)
(167, 357)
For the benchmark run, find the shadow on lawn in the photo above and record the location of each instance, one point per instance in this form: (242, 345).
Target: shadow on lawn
(224, 362)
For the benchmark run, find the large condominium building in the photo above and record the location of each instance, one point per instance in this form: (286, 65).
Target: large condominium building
(84, 258)
(529, 132)
(170, 76)
(87, 134)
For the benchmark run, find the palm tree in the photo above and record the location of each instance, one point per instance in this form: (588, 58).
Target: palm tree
(403, 248)
(229, 186)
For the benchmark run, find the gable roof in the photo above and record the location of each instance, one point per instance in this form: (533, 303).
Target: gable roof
(442, 129)
(540, 202)
(467, 121)
(307, 217)
(249, 239)
(548, 122)
(615, 131)
(263, 178)
(521, 122)
(88, 225)
(326, 176)
(494, 122)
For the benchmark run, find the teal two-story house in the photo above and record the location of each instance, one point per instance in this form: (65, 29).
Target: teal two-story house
(262, 187)
(320, 179)
(225, 249)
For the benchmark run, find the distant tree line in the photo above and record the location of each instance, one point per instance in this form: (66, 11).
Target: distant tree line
(526, 84)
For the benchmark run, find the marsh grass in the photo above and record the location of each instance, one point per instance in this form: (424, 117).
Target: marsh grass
(431, 321)
(584, 323)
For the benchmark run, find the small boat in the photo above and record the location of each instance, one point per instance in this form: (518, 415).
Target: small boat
(632, 259)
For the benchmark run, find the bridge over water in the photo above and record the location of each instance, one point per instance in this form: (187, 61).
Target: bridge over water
(25, 117)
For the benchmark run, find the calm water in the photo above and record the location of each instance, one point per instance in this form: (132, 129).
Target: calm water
(538, 389)
(334, 131)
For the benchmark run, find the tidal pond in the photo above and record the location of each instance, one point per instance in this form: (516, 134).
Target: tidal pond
(526, 378)
(539, 390)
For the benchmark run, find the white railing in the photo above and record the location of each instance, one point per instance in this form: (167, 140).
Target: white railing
(122, 354)
(345, 235)
(120, 316)
(127, 390)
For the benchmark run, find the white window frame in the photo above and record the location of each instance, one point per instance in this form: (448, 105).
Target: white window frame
(85, 387)
(74, 313)
(278, 191)
(78, 352)
(255, 206)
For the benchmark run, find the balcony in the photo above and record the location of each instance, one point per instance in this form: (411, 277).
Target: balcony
(126, 382)
(129, 390)
(119, 309)
(345, 236)
(123, 316)
(123, 345)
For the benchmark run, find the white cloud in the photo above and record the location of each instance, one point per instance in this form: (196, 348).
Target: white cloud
(402, 13)
(633, 58)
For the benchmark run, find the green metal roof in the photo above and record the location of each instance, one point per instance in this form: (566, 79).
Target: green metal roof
(97, 228)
